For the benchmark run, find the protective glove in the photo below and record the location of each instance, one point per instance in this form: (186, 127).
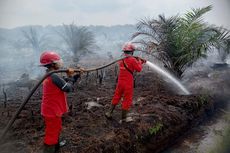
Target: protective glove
(70, 72)
(143, 61)
(82, 70)
(78, 74)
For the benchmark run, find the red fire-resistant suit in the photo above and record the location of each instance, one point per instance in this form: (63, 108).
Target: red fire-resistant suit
(125, 81)
(54, 105)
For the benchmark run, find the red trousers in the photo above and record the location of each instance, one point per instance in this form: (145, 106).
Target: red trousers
(53, 127)
(124, 90)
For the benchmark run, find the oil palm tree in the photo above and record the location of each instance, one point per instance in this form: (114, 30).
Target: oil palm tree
(179, 41)
(33, 38)
(80, 40)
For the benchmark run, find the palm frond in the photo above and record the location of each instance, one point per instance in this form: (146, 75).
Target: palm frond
(196, 14)
(182, 40)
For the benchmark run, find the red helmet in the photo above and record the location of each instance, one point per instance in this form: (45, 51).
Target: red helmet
(128, 47)
(49, 57)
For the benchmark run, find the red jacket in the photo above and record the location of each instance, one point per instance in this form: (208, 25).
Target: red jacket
(54, 101)
(125, 81)
(133, 65)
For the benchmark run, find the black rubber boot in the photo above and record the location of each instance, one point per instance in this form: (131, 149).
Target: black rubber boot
(57, 147)
(108, 115)
(49, 149)
(124, 114)
(124, 117)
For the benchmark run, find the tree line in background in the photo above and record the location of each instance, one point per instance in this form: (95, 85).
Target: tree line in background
(79, 40)
(177, 41)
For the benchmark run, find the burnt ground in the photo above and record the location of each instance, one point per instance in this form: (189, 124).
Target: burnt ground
(160, 116)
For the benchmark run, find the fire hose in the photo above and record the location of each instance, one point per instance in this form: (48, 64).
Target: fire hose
(10, 123)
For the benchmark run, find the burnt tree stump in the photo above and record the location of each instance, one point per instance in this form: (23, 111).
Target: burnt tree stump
(5, 97)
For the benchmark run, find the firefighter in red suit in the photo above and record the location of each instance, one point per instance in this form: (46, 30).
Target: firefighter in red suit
(125, 83)
(54, 103)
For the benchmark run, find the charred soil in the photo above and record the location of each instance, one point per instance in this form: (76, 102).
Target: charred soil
(160, 116)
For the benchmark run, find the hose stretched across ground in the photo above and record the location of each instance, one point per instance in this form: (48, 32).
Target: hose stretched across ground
(38, 84)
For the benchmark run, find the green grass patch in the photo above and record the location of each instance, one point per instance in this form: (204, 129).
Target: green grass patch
(153, 130)
(203, 99)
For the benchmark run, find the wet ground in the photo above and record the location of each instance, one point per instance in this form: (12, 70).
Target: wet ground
(160, 117)
(204, 138)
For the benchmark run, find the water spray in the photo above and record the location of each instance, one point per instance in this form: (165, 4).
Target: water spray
(153, 66)
(169, 76)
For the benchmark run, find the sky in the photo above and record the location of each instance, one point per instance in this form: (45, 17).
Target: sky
(15, 13)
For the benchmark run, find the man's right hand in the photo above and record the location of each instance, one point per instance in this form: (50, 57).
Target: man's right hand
(70, 72)
(141, 60)
(82, 70)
